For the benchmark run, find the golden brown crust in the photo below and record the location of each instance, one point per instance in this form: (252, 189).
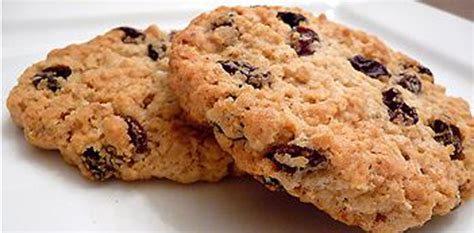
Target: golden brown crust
(114, 115)
(292, 107)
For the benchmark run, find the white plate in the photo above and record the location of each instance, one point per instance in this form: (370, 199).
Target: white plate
(41, 193)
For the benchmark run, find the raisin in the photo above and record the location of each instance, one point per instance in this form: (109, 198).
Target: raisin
(132, 35)
(398, 111)
(448, 134)
(157, 51)
(369, 67)
(137, 135)
(253, 76)
(304, 43)
(392, 98)
(51, 76)
(312, 158)
(60, 70)
(411, 83)
(290, 18)
(424, 70)
(99, 165)
(380, 217)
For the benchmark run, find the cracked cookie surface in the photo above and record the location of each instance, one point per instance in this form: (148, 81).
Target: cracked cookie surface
(106, 106)
(329, 114)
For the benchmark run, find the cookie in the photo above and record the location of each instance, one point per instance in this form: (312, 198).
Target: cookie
(329, 114)
(106, 106)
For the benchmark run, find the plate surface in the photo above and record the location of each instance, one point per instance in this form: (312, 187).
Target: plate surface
(40, 192)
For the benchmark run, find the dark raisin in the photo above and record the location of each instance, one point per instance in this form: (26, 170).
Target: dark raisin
(410, 117)
(60, 70)
(290, 18)
(157, 51)
(369, 67)
(99, 165)
(51, 76)
(253, 76)
(313, 157)
(132, 35)
(448, 134)
(398, 111)
(304, 44)
(392, 98)
(424, 70)
(411, 83)
(380, 218)
(137, 135)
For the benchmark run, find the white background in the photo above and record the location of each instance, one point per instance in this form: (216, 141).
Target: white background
(40, 192)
